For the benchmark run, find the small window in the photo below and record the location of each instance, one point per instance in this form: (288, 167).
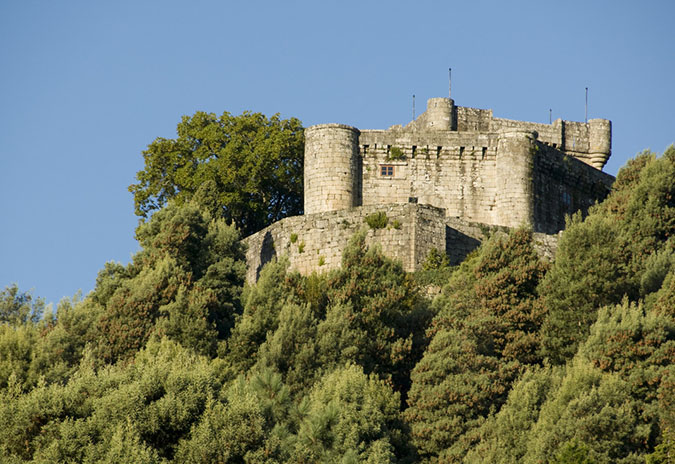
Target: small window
(461, 151)
(414, 151)
(365, 149)
(387, 171)
(484, 152)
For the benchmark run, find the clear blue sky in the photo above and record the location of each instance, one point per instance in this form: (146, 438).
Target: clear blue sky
(85, 86)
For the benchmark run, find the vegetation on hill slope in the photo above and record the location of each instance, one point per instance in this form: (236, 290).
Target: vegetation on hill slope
(172, 359)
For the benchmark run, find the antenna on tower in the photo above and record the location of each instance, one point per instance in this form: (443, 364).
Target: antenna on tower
(586, 114)
(449, 82)
(550, 116)
(413, 107)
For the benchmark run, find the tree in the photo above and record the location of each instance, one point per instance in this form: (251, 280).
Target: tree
(141, 410)
(594, 409)
(374, 316)
(589, 272)
(504, 437)
(250, 166)
(19, 307)
(292, 349)
(262, 305)
(186, 283)
(623, 248)
(486, 330)
(352, 417)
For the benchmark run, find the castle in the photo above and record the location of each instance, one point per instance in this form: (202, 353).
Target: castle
(438, 182)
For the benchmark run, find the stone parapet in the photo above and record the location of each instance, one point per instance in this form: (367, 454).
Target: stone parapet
(315, 242)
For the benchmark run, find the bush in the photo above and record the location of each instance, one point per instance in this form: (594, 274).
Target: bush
(395, 153)
(377, 220)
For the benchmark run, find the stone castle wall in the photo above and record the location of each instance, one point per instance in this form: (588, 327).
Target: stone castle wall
(474, 166)
(315, 242)
(508, 178)
(561, 186)
(452, 170)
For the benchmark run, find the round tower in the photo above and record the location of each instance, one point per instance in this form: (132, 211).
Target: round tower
(332, 168)
(514, 176)
(600, 141)
(439, 114)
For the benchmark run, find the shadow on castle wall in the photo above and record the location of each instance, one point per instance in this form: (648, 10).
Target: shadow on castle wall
(458, 245)
(267, 252)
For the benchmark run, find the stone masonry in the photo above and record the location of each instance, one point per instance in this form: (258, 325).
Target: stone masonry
(450, 168)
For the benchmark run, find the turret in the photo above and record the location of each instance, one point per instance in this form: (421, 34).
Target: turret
(514, 172)
(332, 168)
(440, 114)
(600, 142)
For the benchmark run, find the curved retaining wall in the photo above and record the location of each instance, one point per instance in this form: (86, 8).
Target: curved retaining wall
(315, 242)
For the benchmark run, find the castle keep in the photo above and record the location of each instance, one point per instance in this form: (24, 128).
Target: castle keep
(440, 180)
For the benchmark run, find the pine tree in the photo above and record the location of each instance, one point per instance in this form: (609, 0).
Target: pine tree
(485, 331)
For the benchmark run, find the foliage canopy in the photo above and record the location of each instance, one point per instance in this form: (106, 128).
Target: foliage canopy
(247, 168)
(172, 358)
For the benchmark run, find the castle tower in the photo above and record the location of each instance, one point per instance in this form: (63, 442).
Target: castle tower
(600, 142)
(514, 172)
(440, 114)
(332, 168)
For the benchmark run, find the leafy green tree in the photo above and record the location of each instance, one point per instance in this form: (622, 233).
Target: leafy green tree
(455, 386)
(254, 164)
(132, 311)
(607, 405)
(374, 317)
(262, 305)
(663, 300)
(368, 313)
(143, 408)
(19, 307)
(352, 417)
(241, 428)
(16, 352)
(665, 450)
(504, 437)
(63, 338)
(611, 254)
(574, 452)
(109, 279)
(506, 289)
(649, 212)
(126, 446)
(593, 408)
(292, 348)
(589, 272)
(185, 282)
(636, 344)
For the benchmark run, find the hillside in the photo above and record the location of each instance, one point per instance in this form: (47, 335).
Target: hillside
(172, 358)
